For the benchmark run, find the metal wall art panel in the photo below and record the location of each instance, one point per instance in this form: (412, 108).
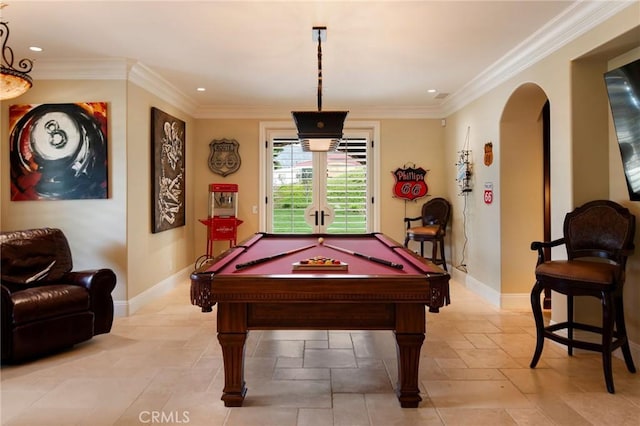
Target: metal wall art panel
(167, 171)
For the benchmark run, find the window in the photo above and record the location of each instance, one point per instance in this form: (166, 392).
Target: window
(301, 199)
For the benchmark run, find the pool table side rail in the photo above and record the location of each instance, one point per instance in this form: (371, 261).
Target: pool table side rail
(316, 287)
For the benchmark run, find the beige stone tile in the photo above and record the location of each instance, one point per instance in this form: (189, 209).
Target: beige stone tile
(289, 363)
(539, 380)
(279, 348)
(349, 409)
(315, 417)
(262, 416)
(360, 380)
(474, 374)
(450, 363)
(430, 370)
(481, 341)
(195, 408)
(555, 409)
(440, 350)
(340, 340)
(384, 410)
(486, 358)
(475, 394)
(459, 344)
(316, 344)
(375, 344)
(295, 335)
(529, 416)
(476, 416)
(288, 393)
(302, 374)
(602, 408)
(329, 358)
(480, 325)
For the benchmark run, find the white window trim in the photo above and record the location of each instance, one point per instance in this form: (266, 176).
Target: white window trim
(271, 129)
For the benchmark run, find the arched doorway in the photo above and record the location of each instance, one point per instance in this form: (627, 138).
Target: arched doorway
(524, 184)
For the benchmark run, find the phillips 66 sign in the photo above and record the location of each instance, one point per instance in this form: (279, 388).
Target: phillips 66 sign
(410, 183)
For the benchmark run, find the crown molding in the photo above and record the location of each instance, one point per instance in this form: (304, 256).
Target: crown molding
(579, 18)
(149, 80)
(115, 69)
(268, 112)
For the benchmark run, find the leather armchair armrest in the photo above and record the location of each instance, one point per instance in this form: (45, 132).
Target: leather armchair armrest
(6, 313)
(408, 220)
(100, 283)
(541, 245)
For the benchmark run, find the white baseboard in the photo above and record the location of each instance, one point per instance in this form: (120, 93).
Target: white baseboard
(511, 301)
(123, 308)
(489, 294)
(516, 301)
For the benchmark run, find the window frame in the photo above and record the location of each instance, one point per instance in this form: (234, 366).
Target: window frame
(286, 130)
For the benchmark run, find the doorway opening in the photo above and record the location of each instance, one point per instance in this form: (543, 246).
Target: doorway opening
(525, 141)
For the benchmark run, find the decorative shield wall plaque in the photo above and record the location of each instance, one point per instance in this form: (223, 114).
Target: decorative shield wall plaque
(410, 183)
(224, 158)
(167, 171)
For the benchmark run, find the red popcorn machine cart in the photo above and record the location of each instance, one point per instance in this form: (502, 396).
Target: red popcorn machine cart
(222, 223)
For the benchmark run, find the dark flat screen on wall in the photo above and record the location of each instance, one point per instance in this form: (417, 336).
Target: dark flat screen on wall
(623, 87)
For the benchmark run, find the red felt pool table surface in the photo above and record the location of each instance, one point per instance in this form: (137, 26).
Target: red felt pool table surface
(376, 245)
(270, 294)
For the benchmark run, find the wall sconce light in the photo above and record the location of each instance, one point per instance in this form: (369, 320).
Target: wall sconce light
(14, 80)
(319, 131)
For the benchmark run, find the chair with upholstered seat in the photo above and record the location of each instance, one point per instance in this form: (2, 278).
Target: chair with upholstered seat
(433, 228)
(598, 237)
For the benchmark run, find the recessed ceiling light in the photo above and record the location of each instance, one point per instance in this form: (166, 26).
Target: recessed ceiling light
(35, 49)
(201, 89)
(431, 91)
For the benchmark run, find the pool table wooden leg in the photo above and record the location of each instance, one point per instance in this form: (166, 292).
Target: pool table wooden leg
(409, 332)
(232, 334)
(408, 364)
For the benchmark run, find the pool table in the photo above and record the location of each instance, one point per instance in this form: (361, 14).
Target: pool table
(368, 282)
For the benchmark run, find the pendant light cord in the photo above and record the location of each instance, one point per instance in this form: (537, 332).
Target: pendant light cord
(319, 70)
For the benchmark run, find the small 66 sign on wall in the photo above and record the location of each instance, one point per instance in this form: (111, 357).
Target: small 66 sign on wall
(488, 192)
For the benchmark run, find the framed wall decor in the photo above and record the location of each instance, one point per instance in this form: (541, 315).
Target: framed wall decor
(167, 171)
(58, 151)
(224, 158)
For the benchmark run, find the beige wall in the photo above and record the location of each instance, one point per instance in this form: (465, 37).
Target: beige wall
(409, 142)
(576, 136)
(246, 132)
(96, 229)
(113, 233)
(152, 258)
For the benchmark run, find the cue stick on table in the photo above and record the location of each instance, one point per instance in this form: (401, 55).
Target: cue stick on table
(371, 258)
(268, 258)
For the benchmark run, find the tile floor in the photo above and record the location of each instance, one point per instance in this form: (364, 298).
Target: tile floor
(163, 365)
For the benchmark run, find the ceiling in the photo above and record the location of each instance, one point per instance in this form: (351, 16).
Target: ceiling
(379, 56)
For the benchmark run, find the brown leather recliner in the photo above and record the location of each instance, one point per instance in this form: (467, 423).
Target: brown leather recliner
(45, 305)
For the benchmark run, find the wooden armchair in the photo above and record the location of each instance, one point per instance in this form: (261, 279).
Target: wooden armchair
(433, 228)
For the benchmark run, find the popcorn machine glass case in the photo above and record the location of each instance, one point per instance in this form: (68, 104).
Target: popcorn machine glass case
(222, 223)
